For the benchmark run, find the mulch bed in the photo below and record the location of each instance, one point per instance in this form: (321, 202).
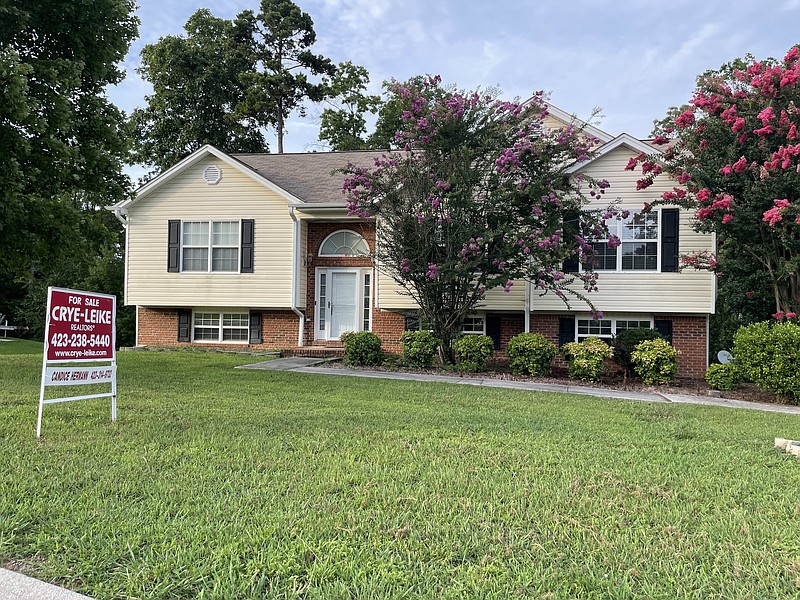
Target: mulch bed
(611, 381)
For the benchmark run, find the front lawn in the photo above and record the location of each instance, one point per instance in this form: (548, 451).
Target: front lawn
(10, 345)
(223, 483)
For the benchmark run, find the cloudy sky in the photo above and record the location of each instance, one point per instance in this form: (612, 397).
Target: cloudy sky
(632, 59)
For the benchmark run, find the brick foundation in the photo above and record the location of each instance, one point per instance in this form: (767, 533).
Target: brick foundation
(159, 327)
(688, 337)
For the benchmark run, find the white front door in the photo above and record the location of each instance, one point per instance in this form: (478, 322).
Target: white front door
(343, 307)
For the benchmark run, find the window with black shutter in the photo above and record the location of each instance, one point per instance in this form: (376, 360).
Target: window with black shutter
(571, 229)
(248, 245)
(255, 327)
(664, 327)
(184, 325)
(173, 246)
(493, 329)
(566, 330)
(669, 239)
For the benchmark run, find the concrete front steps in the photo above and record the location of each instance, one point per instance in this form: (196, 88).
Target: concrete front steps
(315, 351)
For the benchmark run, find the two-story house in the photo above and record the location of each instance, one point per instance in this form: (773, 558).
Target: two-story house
(258, 250)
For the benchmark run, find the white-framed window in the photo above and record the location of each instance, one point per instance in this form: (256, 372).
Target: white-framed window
(210, 246)
(344, 243)
(608, 328)
(640, 244)
(366, 307)
(224, 327)
(474, 325)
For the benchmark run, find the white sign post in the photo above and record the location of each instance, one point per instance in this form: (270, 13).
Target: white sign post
(80, 328)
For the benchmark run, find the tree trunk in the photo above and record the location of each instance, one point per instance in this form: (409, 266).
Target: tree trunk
(280, 132)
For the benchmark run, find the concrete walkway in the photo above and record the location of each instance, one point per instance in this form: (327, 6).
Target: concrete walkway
(306, 365)
(15, 586)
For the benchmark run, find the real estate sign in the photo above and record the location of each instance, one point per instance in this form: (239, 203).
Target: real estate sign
(80, 328)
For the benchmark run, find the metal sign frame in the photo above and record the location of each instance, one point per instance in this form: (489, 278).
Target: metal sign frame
(66, 373)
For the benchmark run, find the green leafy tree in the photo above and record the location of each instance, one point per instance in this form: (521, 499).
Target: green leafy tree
(734, 148)
(477, 199)
(282, 37)
(343, 124)
(63, 142)
(197, 85)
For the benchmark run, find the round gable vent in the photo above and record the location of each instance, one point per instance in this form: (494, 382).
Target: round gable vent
(212, 174)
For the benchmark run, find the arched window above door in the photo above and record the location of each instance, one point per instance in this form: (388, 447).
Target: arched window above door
(344, 243)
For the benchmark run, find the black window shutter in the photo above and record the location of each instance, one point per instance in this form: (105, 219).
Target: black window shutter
(664, 327)
(255, 327)
(493, 329)
(173, 246)
(571, 228)
(669, 239)
(184, 325)
(248, 243)
(566, 330)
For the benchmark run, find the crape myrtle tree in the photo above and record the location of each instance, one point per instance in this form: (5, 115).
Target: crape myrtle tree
(477, 199)
(736, 151)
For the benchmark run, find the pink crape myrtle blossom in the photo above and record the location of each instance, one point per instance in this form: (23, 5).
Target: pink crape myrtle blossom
(478, 196)
(734, 150)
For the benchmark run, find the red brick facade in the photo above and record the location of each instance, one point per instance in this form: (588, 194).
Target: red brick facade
(688, 337)
(159, 327)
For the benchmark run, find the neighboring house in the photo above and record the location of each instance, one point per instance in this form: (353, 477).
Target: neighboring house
(257, 250)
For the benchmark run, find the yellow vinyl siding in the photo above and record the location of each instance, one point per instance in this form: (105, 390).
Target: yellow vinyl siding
(391, 297)
(189, 197)
(687, 292)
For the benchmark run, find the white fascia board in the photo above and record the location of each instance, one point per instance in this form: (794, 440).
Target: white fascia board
(322, 206)
(624, 139)
(567, 118)
(192, 159)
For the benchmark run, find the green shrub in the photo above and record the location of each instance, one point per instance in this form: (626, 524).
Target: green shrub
(627, 340)
(655, 361)
(586, 358)
(530, 353)
(419, 347)
(361, 348)
(722, 377)
(473, 350)
(768, 354)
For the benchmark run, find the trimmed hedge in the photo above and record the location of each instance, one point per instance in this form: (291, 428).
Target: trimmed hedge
(768, 354)
(362, 348)
(530, 354)
(587, 358)
(419, 347)
(473, 350)
(655, 361)
(722, 377)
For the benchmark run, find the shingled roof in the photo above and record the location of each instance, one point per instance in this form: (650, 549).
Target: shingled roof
(312, 177)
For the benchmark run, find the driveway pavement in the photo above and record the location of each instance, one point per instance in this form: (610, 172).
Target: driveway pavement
(15, 586)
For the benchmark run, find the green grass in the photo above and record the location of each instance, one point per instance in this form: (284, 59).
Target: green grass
(223, 483)
(15, 346)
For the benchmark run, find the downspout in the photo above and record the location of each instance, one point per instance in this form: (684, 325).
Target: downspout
(528, 298)
(296, 275)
